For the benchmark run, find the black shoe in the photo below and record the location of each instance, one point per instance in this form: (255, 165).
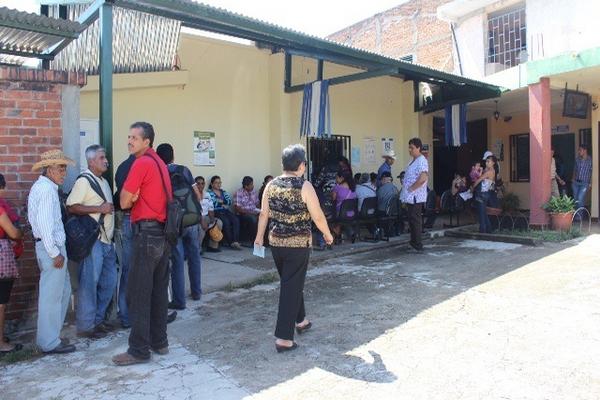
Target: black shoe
(304, 328)
(416, 247)
(171, 317)
(175, 306)
(196, 297)
(61, 349)
(281, 349)
(213, 250)
(105, 327)
(93, 334)
(125, 326)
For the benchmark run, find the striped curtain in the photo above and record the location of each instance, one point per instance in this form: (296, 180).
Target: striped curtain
(316, 113)
(456, 125)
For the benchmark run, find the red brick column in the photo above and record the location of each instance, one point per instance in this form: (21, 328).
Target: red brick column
(539, 150)
(30, 123)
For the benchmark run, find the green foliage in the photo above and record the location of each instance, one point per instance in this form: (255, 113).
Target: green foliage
(544, 235)
(510, 202)
(560, 205)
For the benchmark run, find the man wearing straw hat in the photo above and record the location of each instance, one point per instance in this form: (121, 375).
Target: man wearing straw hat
(49, 235)
(389, 158)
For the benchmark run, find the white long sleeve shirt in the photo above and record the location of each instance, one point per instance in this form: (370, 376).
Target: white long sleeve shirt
(43, 213)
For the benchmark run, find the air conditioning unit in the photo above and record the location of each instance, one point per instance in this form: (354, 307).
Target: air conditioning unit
(492, 68)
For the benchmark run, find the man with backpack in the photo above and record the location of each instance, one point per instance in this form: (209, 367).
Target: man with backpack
(91, 196)
(147, 191)
(188, 245)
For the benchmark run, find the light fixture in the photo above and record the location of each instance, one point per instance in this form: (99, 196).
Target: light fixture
(496, 113)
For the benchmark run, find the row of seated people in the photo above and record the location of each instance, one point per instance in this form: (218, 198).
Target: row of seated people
(365, 201)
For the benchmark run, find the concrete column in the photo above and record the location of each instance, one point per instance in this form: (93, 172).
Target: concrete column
(539, 149)
(595, 151)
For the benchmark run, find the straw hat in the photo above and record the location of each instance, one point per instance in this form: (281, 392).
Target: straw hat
(52, 157)
(391, 154)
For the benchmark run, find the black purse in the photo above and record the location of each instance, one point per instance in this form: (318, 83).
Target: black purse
(82, 231)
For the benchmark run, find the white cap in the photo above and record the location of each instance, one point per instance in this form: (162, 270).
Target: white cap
(391, 154)
(487, 154)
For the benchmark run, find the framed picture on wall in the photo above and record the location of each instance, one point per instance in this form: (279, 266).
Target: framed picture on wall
(576, 104)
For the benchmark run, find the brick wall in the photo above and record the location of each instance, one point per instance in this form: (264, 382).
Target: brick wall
(31, 113)
(411, 28)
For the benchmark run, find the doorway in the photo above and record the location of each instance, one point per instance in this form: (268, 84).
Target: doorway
(565, 157)
(320, 150)
(447, 160)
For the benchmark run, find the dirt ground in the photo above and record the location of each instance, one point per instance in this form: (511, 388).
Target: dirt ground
(464, 320)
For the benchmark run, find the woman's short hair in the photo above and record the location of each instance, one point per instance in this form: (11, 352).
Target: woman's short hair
(416, 142)
(292, 156)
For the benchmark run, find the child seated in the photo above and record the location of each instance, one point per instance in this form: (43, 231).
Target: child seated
(476, 171)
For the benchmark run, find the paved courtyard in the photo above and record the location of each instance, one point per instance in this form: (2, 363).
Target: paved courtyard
(464, 320)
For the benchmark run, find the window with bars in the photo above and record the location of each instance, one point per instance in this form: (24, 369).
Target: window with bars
(507, 36)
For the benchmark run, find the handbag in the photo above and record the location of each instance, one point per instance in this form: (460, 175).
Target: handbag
(215, 233)
(8, 264)
(82, 231)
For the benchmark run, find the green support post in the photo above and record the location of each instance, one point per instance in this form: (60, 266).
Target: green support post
(106, 84)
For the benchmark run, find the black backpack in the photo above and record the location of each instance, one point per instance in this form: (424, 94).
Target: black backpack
(82, 231)
(173, 224)
(185, 195)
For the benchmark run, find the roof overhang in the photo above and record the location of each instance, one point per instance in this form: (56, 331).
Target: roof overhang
(35, 36)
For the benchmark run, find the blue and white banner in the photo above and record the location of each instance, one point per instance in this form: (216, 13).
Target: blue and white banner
(315, 120)
(456, 125)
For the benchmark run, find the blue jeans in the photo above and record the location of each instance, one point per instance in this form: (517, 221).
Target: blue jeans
(482, 200)
(188, 247)
(53, 300)
(579, 191)
(97, 284)
(123, 242)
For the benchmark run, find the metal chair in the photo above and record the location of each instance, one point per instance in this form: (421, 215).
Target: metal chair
(348, 216)
(367, 216)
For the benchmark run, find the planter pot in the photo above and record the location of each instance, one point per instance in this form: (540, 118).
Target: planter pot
(493, 211)
(562, 221)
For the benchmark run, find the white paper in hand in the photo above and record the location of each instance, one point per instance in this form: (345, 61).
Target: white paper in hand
(259, 251)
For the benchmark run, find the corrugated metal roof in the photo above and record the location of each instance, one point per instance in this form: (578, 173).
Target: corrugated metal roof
(141, 42)
(32, 35)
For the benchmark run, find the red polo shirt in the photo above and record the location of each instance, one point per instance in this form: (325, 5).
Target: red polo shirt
(145, 176)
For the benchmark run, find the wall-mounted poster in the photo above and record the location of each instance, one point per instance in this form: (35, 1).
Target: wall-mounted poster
(370, 157)
(204, 149)
(355, 156)
(388, 145)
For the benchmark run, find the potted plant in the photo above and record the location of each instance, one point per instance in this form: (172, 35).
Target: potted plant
(561, 210)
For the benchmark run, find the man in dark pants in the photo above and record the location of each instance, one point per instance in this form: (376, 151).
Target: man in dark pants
(146, 191)
(414, 193)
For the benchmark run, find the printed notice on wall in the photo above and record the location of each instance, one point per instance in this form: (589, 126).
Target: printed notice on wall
(388, 145)
(370, 157)
(204, 149)
(355, 156)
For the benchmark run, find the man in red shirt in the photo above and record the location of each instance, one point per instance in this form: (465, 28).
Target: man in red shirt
(146, 191)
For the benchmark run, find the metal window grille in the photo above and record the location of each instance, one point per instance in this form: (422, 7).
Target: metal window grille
(507, 33)
(318, 148)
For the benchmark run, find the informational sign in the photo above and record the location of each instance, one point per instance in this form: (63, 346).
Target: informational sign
(370, 156)
(355, 156)
(204, 149)
(388, 145)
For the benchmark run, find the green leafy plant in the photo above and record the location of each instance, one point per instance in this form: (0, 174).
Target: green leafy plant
(560, 205)
(510, 202)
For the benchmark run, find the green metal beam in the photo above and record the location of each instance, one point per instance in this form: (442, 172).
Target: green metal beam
(106, 83)
(349, 78)
(320, 70)
(41, 56)
(90, 14)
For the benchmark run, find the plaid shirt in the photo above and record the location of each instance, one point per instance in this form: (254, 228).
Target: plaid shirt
(583, 170)
(245, 200)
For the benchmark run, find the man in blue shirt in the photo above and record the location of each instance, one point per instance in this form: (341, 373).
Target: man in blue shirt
(582, 176)
(389, 159)
(188, 245)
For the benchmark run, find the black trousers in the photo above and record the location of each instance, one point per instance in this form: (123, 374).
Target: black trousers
(147, 291)
(415, 223)
(231, 225)
(291, 263)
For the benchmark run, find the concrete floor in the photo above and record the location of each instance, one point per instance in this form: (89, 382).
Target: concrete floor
(464, 320)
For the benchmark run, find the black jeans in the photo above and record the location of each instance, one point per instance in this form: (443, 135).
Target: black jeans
(147, 290)
(415, 222)
(248, 226)
(291, 263)
(231, 225)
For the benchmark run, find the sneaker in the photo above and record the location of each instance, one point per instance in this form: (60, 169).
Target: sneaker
(127, 359)
(196, 297)
(61, 349)
(236, 246)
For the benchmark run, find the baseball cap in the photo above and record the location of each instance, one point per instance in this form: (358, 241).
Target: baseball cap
(487, 154)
